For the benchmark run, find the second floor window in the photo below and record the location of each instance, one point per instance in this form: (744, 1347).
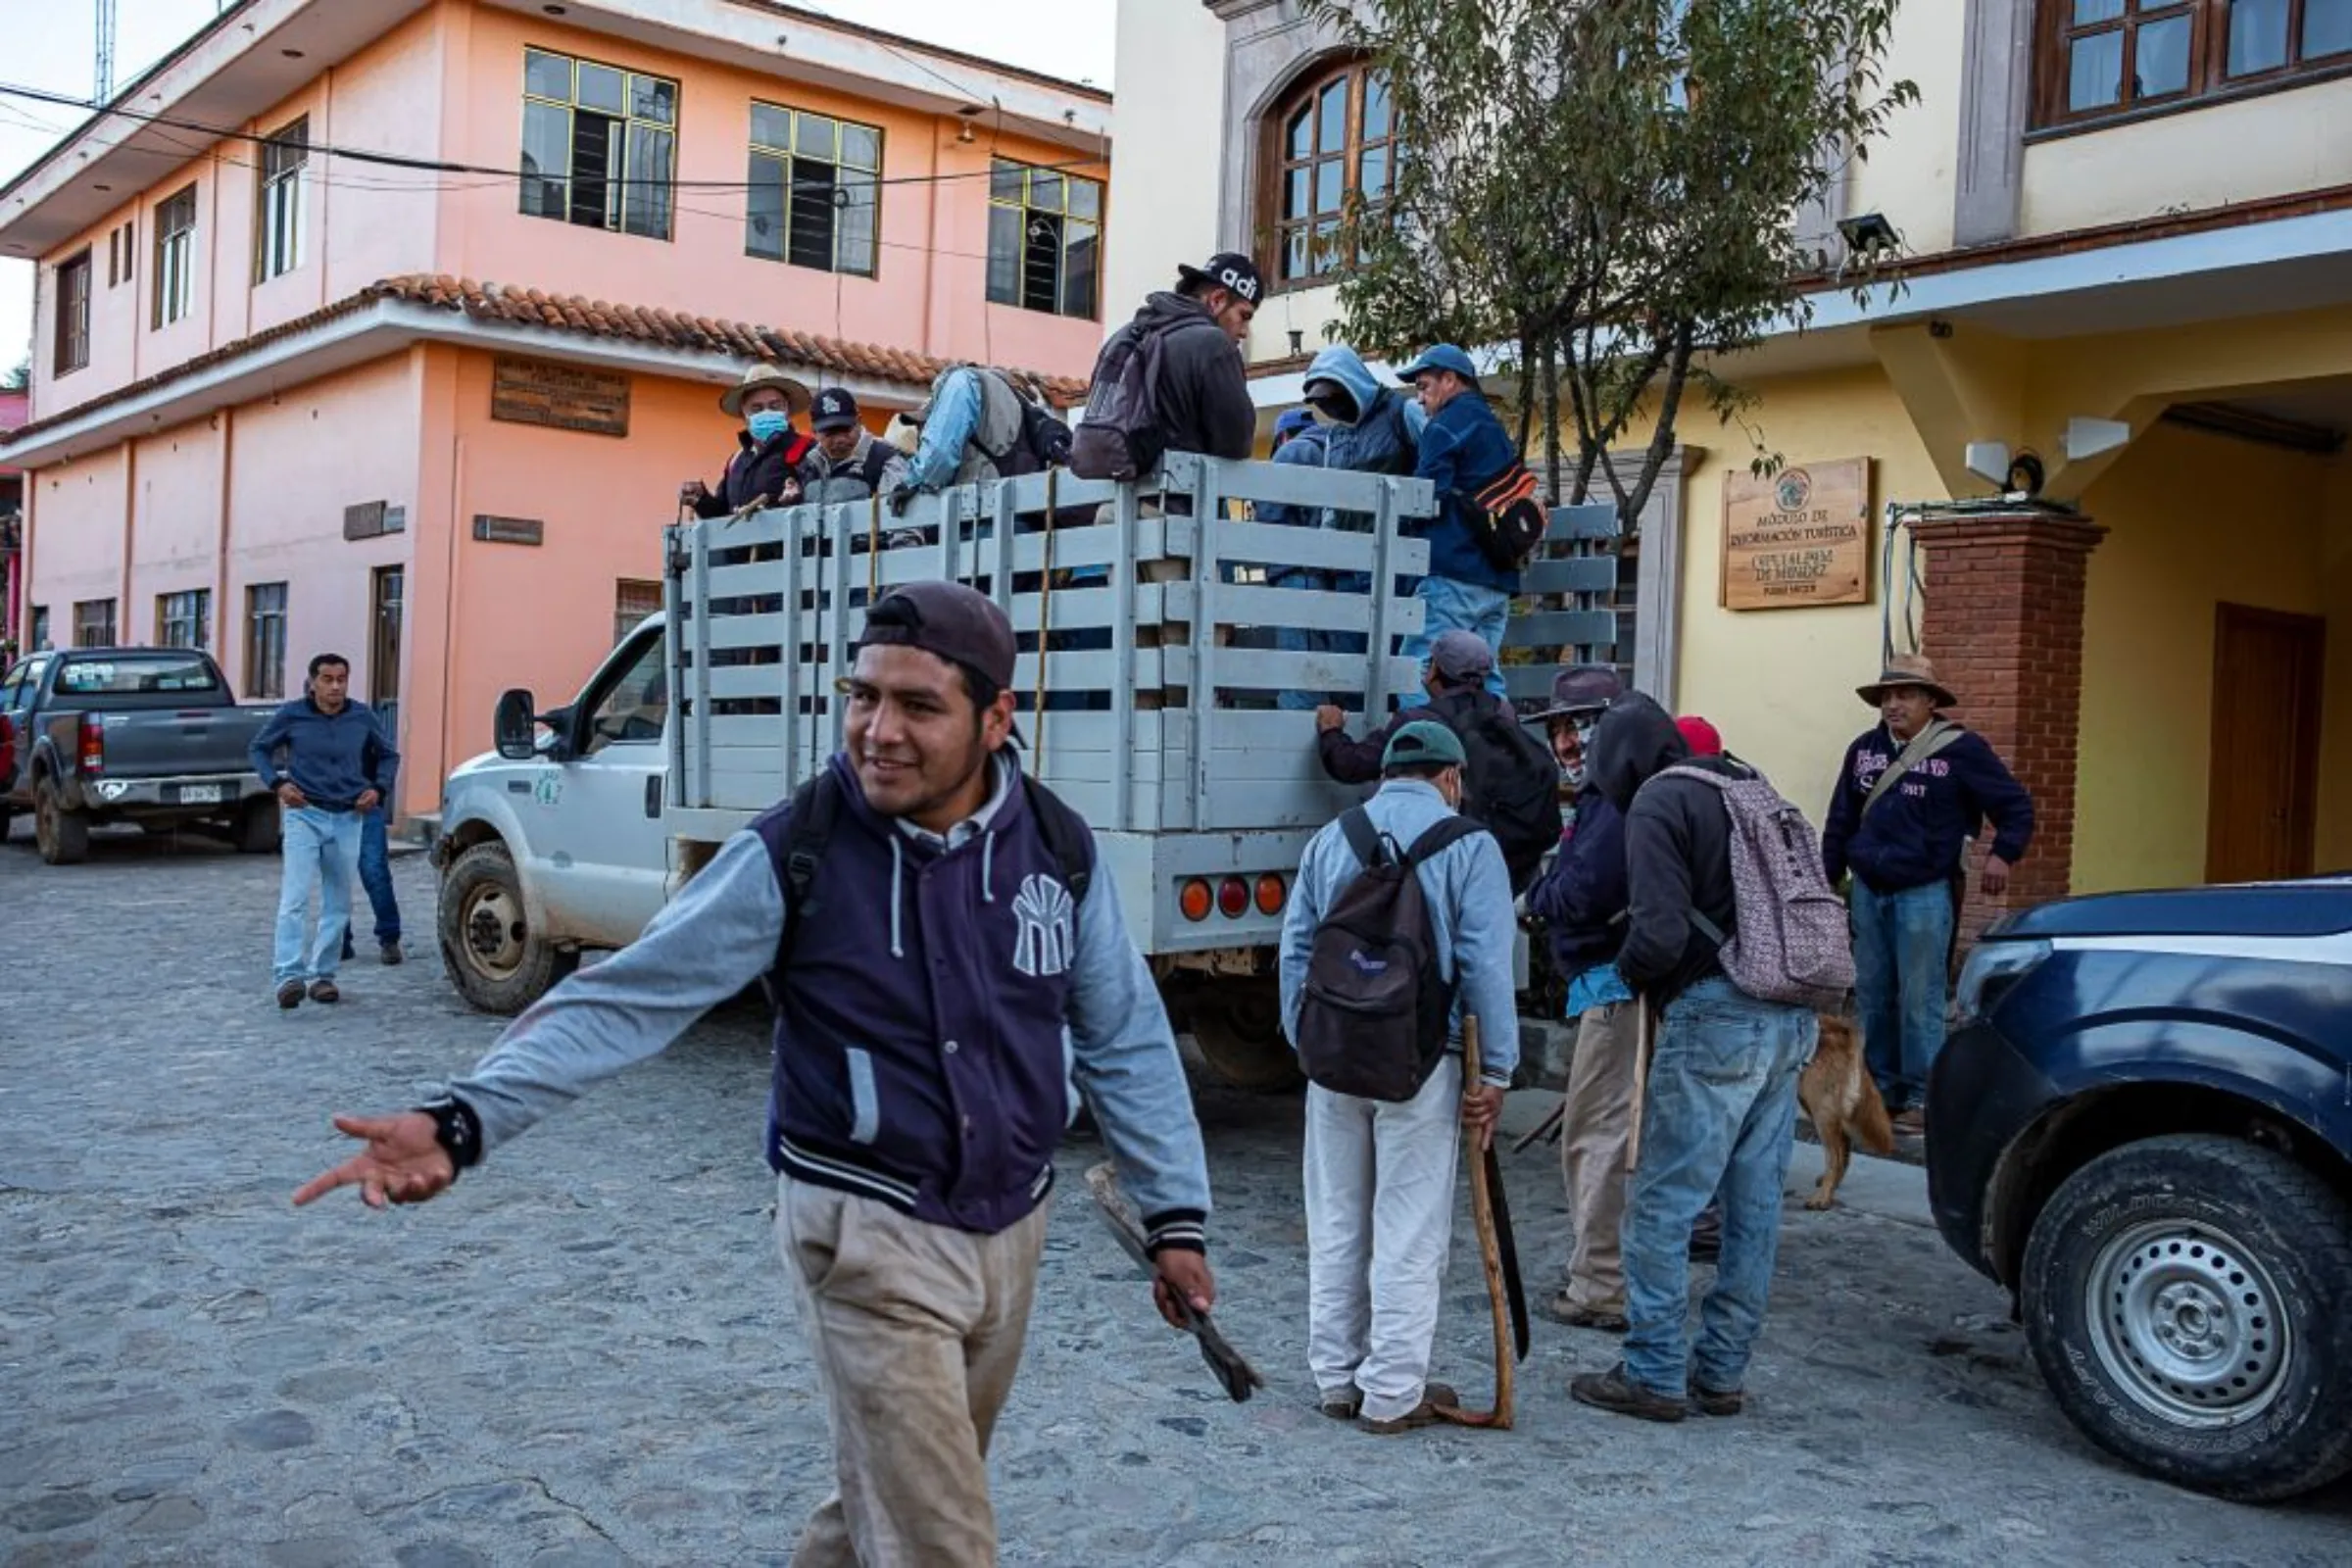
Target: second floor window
(1045, 239)
(184, 619)
(277, 246)
(174, 258)
(599, 144)
(72, 349)
(813, 190)
(1333, 140)
(2099, 58)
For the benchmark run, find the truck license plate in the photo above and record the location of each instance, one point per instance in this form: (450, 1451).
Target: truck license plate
(199, 794)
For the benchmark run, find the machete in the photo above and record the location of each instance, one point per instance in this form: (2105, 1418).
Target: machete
(1237, 1376)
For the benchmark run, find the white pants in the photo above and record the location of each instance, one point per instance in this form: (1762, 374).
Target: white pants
(1379, 1218)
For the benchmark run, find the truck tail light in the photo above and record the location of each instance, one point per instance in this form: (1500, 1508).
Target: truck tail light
(1194, 900)
(93, 745)
(1270, 893)
(1233, 897)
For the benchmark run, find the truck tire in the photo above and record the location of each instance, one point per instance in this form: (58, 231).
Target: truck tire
(1238, 1027)
(497, 962)
(258, 829)
(63, 836)
(2183, 1297)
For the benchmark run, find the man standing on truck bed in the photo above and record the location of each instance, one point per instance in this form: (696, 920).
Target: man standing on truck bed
(338, 766)
(770, 452)
(1463, 449)
(1173, 378)
(932, 925)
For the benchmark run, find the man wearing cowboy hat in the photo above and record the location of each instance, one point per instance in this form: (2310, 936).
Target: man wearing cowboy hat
(1911, 794)
(772, 451)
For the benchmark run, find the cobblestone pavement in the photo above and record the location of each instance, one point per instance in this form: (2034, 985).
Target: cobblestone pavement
(585, 1354)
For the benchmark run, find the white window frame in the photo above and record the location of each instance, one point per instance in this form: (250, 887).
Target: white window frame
(279, 207)
(174, 259)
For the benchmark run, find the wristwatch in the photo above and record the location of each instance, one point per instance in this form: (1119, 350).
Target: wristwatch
(458, 1130)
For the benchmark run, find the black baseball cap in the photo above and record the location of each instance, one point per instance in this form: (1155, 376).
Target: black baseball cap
(836, 410)
(1228, 270)
(959, 624)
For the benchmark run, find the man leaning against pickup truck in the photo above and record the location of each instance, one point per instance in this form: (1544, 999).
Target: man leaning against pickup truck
(330, 763)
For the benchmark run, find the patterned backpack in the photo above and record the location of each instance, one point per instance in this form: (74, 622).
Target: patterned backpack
(1792, 942)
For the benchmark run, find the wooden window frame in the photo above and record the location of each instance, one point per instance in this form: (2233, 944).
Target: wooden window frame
(95, 614)
(387, 615)
(265, 641)
(1275, 166)
(2209, 78)
(183, 615)
(633, 599)
(70, 346)
(787, 156)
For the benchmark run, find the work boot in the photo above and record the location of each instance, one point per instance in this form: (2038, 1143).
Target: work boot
(389, 953)
(1563, 1309)
(1911, 1122)
(1716, 1401)
(1436, 1400)
(1619, 1394)
(289, 995)
(324, 991)
(1343, 1405)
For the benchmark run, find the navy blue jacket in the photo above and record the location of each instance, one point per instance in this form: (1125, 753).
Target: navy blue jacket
(332, 759)
(1584, 894)
(1463, 448)
(1914, 835)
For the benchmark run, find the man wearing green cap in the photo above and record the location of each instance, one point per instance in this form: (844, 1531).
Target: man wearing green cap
(1380, 1175)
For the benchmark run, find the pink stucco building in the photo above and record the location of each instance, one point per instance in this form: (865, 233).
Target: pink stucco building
(392, 328)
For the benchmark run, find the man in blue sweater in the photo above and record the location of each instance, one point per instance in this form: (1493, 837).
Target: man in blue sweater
(1913, 791)
(1463, 448)
(944, 951)
(332, 765)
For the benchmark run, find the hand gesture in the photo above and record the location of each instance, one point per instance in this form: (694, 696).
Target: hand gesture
(1183, 1276)
(1482, 1107)
(290, 796)
(404, 1162)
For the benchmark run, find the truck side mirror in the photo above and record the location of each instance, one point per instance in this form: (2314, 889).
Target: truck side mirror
(513, 726)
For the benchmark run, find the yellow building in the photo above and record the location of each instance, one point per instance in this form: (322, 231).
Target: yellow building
(2140, 276)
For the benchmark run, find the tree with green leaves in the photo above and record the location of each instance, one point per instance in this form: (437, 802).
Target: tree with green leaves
(1609, 191)
(18, 379)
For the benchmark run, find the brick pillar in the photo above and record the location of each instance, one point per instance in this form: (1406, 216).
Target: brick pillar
(2003, 624)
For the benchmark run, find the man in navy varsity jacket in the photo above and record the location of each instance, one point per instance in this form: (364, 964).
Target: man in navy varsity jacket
(924, 993)
(1903, 843)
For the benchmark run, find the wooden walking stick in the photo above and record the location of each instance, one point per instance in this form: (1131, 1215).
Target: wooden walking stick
(1483, 1195)
(1642, 1021)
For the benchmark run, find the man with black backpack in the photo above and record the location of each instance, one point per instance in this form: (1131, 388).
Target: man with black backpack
(932, 926)
(1173, 378)
(1513, 783)
(1736, 966)
(978, 427)
(1398, 927)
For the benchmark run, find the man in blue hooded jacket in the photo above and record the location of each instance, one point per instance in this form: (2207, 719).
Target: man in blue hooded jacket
(1463, 449)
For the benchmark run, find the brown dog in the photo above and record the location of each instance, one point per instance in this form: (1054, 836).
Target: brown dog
(1838, 1093)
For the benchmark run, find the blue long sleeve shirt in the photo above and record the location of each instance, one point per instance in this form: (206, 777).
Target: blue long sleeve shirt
(332, 758)
(1468, 893)
(722, 933)
(1463, 448)
(954, 415)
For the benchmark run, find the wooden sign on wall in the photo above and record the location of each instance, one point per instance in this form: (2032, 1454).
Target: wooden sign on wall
(1797, 538)
(564, 397)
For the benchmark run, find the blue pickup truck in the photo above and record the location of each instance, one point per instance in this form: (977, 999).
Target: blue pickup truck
(2142, 1126)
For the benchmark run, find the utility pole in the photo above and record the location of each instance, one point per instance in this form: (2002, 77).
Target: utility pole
(105, 72)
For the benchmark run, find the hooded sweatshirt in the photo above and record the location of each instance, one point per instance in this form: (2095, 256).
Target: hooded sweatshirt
(1382, 436)
(1678, 842)
(1203, 392)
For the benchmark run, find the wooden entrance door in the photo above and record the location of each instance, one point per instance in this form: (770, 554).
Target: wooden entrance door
(2267, 669)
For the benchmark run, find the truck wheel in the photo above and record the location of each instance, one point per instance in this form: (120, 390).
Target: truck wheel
(1239, 1030)
(2183, 1296)
(497, 962)
(258, 828)
(63, 836)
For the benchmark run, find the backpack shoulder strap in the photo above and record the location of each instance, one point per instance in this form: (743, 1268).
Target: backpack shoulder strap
(815, 810)
(878, 454)
(1938, 734)
(1441, 837)
(1068, 838)
(1362, 837)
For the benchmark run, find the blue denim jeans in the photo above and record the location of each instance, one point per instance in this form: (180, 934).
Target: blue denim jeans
(322, 851)
(1448, 606)
(1720, 1120)
(375, 874)
(1902, 968)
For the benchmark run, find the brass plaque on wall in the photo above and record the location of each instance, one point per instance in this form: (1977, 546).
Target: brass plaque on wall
(1797, 538)
(563, 397)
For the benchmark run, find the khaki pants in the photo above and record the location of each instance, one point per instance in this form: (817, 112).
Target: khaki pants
(1596, 1126)
(916, 1331)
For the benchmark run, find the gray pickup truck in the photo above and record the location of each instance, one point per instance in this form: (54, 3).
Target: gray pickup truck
(151, 736)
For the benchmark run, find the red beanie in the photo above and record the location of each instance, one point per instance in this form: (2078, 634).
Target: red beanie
(1703, 739)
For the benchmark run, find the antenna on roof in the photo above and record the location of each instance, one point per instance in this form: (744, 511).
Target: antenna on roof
(104, 67)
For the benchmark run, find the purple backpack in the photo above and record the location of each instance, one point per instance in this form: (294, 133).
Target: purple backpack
(1791, 943)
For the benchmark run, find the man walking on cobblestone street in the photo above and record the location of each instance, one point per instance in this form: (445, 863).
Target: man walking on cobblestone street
(332, 765)
(932, 926)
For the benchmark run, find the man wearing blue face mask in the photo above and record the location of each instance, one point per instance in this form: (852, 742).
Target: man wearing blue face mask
(772, 451)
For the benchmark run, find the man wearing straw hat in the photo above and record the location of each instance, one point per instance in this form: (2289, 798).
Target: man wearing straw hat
(773, 453)
(1912, 792)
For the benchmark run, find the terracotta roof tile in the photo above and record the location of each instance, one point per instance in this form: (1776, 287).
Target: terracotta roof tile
(570, 312)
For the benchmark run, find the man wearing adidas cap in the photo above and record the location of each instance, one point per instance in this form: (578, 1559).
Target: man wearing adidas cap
(933, 927)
